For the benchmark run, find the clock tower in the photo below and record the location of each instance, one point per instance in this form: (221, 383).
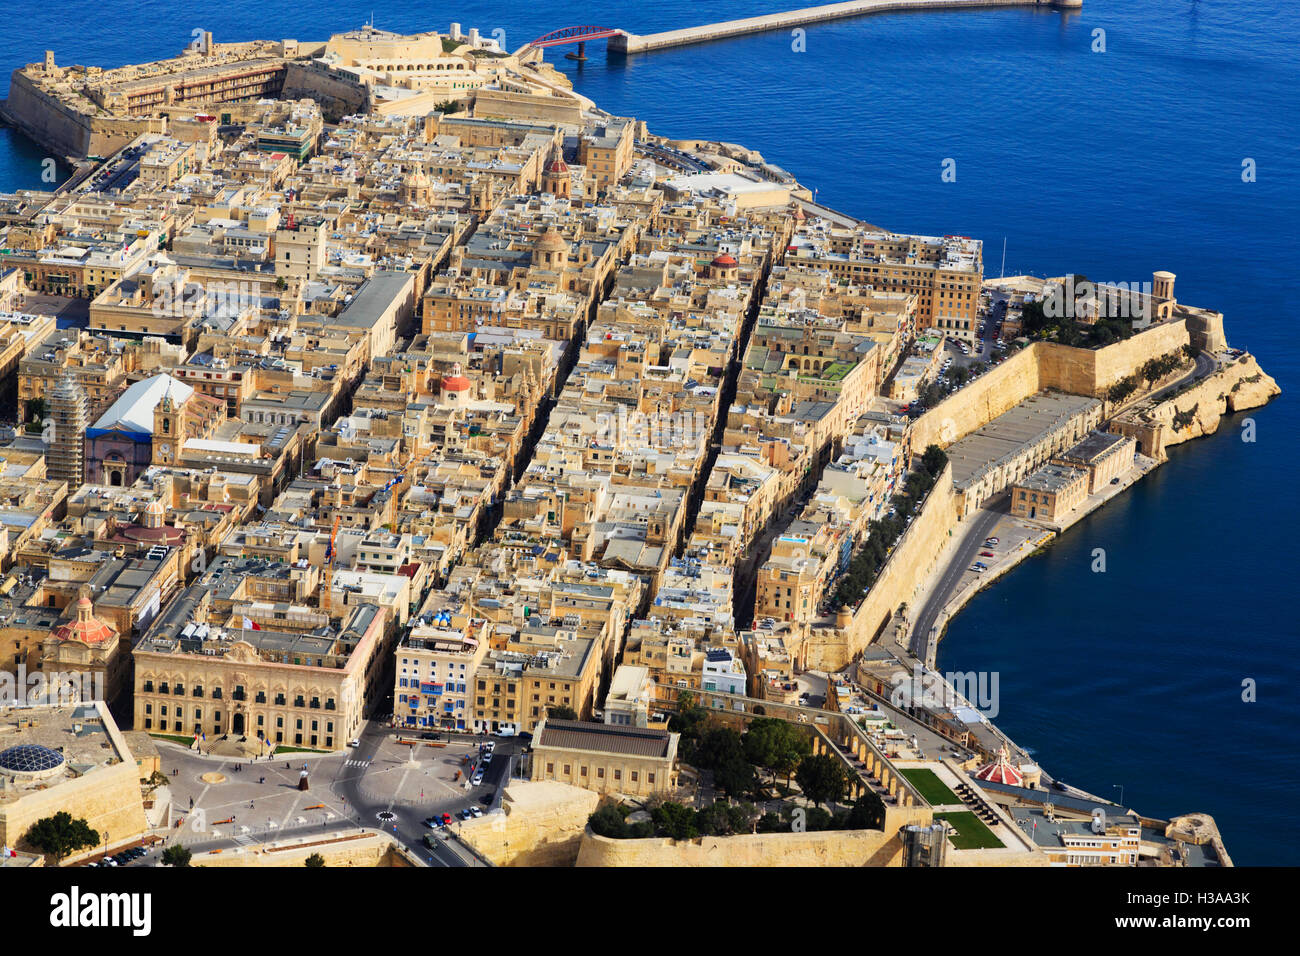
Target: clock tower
(166, 431)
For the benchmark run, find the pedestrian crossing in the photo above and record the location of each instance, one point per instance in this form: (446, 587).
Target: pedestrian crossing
(356, 763)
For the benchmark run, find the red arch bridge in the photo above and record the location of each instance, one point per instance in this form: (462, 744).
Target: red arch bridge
(578, 35)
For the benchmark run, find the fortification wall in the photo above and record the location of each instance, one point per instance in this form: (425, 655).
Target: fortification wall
(822, 848)
(1198, 411)
(981, 401)
(108, 800)
(1037, 366)
(1092, 372)
(337, 97)
(53, 125)
(369, 850)
(540, 824)
(526, 108)
(830, 649)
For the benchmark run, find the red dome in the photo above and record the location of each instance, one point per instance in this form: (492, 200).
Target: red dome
(455, 382)
(1001, 771)
(725, 260)
(86, 628)
(557, 166)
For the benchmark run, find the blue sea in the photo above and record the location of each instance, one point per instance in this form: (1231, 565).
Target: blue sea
(1109, 163)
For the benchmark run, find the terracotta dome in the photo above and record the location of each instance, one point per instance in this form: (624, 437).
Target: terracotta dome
(724, 260)
(1001, 771)
(86, 628)
(455, 382)
(557, 166)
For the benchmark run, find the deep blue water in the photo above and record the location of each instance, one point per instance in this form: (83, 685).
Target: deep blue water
(1111, 164)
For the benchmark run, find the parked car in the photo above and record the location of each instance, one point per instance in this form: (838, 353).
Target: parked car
(989, 542)
(476, 811)
(987, 554)
(354, 743)
(977, 569)
(446, 819)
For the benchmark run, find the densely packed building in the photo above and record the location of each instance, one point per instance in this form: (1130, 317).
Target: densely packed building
(404, 369)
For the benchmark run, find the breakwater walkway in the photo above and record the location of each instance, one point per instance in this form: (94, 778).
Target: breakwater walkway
(631, 43)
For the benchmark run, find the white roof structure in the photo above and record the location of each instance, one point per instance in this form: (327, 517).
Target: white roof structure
(133, 411)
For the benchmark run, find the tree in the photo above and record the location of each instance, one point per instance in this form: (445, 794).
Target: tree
(775, 745)
(315, 860)
(176, 856)
(735, 776)
(562, 713)
(933, 460)
(867, 813)
(155, 780)
(718, 745)
(36, 409)
(715, 820)
(61, 835)
(608, 822)
(689, 721)
(677, 821)
(449, 106)
(821, 778)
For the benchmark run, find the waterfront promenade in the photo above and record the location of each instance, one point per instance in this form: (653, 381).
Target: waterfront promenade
(632, 43)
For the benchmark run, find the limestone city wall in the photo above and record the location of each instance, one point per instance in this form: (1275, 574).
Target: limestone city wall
(1234, 388)
(830, 649)
(821, 848)
(539, 824)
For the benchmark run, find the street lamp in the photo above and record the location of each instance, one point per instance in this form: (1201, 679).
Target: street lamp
(1120, 786)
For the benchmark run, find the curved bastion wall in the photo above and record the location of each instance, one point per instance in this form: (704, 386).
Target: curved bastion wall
(820, 848)
(1044, 365)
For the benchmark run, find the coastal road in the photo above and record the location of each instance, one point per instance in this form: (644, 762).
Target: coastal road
(1205, 364)
(981, 527)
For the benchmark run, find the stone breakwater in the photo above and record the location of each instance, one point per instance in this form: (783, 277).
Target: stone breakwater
(632, 43)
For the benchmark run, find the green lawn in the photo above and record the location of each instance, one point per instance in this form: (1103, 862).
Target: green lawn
(971, 833)
(930, 786)
(283, 749)
(183, 741)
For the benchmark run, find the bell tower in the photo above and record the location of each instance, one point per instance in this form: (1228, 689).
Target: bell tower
(167, 423)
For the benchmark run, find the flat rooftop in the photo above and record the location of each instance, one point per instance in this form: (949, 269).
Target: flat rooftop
(1001, 439)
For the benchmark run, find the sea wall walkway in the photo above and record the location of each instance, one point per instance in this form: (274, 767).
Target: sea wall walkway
(631, 43)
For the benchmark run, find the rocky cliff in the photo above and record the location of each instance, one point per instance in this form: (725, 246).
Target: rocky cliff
(1198, 410)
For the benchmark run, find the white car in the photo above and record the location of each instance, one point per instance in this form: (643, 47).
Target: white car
(477, 779)
(354, 743)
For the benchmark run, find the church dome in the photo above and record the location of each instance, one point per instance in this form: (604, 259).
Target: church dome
(551, 240)
(724, 260)
(456, 381)
(86, 628)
